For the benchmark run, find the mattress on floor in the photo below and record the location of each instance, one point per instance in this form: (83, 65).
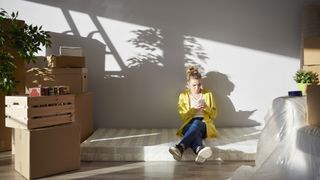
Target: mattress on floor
(153, 144)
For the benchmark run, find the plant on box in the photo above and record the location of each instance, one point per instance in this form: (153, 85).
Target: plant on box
(22, 39)
(304, 78)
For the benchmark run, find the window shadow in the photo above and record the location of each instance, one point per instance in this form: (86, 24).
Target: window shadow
(144, 93)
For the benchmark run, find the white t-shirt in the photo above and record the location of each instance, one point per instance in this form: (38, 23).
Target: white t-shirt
(194, 102)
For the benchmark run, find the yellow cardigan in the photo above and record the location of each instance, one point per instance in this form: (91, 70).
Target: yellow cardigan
(187, 113)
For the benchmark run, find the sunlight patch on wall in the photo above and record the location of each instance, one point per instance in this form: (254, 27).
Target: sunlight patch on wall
(84, 24)
(56, 24)
(87, 28)
(127, 39)
(252, 72)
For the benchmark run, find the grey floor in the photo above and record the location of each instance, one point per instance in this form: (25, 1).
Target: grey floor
(134, 170)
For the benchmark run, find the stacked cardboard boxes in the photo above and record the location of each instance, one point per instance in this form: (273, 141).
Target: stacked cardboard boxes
(48, 129)
(45, 137)
(311, 39)
(67, 69)
(311, 60)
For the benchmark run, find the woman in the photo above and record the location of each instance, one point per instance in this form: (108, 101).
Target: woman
(197, 110)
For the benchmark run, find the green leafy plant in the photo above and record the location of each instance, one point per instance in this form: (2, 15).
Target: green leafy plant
(306, 77)
(21, 38)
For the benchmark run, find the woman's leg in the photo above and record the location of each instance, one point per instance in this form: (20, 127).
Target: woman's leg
(203, 153)
(196, 144)
(193, 134)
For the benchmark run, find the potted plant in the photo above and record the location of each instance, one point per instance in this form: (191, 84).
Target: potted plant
(17, 39)
(304, 78)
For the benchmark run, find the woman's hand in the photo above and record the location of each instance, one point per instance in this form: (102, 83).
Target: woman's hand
(200, 107)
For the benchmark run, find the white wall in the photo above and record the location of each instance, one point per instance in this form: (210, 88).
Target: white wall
(137, 50)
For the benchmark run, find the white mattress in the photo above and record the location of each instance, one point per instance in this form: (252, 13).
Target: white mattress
(153, 144)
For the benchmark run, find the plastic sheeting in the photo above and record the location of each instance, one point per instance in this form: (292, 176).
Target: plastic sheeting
(287, 148)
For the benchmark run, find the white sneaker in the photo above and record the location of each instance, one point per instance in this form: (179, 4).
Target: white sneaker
(203, 155)
(177, 155)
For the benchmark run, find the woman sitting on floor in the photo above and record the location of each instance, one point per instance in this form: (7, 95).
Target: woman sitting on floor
(197, 110)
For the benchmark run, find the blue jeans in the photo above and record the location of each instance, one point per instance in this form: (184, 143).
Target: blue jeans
(193, 134)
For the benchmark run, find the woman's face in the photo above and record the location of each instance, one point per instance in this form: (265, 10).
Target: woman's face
(194, 85)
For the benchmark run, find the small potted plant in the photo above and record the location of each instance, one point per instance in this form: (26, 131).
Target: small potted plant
(304, 78)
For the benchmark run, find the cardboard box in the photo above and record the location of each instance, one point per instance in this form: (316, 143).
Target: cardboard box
(36, 112)
(5, 133)
(313, 104)
(66, 61)
(84, 114)
(311, 51)
(75, 78)
(47, 151)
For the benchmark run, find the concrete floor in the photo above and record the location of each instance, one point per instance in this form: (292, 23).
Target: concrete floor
(134, 170)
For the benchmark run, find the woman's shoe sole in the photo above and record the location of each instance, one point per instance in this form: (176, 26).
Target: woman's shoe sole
(203, 155)
(175, 155)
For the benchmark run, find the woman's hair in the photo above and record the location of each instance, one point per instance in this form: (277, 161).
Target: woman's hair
(193, 72)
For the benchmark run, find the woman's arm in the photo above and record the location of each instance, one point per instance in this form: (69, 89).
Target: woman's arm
(186, 113)
(210, 109)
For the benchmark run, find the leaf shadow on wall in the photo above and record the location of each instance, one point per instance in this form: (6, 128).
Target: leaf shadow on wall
(149, 84)
(222, 87)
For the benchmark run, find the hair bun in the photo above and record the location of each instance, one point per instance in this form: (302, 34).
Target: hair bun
(192, 70)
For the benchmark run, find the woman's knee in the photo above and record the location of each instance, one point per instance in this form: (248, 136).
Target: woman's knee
(198, 123)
